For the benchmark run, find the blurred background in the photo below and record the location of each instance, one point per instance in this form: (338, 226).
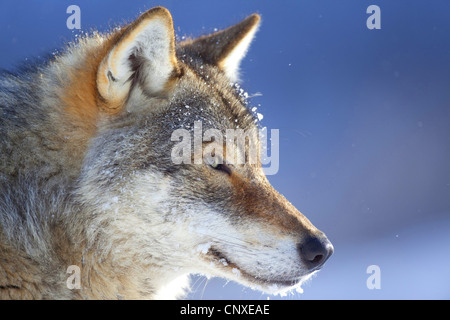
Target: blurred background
(364, 120)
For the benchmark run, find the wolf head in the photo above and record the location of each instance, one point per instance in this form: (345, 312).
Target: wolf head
(214, 218)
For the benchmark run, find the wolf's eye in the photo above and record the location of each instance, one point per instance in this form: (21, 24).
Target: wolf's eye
(218, 165)
(222, 167)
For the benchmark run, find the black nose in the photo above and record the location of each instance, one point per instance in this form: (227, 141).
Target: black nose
(315, 251)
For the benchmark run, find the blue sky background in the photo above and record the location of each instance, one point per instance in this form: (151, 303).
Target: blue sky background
(364, 120)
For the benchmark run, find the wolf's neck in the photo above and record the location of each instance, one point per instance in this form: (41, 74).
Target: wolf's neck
(117, 266)
(104, 279)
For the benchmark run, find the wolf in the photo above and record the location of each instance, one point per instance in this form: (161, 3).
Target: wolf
(87, 179)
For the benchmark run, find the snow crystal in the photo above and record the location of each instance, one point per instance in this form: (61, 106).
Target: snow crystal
(204, 247)
(224, 262)
(236, 272)
(273, 288)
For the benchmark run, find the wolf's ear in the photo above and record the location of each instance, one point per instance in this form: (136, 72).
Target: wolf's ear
(145, 52)
(227, 47)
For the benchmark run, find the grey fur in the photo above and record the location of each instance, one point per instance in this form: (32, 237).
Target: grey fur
(69, 198)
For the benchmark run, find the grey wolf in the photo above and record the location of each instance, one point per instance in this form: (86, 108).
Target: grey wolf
(87, 179)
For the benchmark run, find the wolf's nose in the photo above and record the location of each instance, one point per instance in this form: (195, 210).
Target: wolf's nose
(315, 251)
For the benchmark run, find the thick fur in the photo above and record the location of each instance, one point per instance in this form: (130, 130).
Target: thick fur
(86, 176)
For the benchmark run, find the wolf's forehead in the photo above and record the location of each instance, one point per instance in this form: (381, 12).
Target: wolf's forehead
(206, 96)
(212, 112)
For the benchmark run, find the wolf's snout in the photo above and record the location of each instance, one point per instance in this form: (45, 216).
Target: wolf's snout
(315, 251)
